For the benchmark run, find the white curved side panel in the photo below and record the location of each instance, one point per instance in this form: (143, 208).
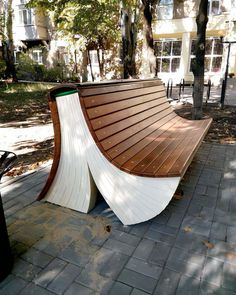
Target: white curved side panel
(133, 199)
(73, 186)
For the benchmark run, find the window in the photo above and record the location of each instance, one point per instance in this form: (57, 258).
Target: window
(165, 9)
(25, 15)
(168, 53)
(37, 56)
(213, 55)
(214, 7)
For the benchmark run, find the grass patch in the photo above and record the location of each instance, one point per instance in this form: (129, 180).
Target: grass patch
(24, 102)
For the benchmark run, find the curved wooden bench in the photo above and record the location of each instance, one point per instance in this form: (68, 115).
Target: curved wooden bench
(124, 137)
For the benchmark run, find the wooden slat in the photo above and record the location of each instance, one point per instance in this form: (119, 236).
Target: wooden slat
(121, 125)
(135, 139)
(127, 103)
(101, 99)
(152, 150)
(139, 146)
(121, 115)
(182, 162)
(123, 135)
(89, 91)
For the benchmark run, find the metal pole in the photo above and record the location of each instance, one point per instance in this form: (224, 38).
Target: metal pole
(224, 84)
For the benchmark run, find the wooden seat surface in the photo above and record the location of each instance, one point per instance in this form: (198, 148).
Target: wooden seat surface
(137, 130)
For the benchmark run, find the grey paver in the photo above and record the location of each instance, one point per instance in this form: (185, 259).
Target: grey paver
(64, 279)
(139, 229)
(229, 277)
(144, 249)
(138, 292)
(212, 271)
(48, 274)
(218, 231)
(78, 254)
(119, 246)
(95, 281)
(167, 283)
(144, 268)
(114, 265)
(191, 242)
(79, 290)
(37, 257)
(125, 238)
(159, 237)
(175, 220)
(207, 288)
(189, 264)
(119, 288)
(159, 254)
(223, 251)
(188, 285)
(13, 287)
(137, 280)
(231, 234)
(33, 289)
(25, 270)
(197, 225)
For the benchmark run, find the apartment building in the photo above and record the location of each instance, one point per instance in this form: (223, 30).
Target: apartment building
(175, 31)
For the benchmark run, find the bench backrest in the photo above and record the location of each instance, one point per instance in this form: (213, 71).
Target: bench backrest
(120, 116)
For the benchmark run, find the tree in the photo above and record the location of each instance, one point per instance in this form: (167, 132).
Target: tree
(198, 63)
(96, 21)
(149, 10)
(130, 14)
(7, 41)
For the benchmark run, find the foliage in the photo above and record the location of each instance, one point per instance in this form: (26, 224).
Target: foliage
(97, 21)
(29, 70)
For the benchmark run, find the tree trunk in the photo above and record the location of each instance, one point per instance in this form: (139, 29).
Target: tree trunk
(90, 64)
(198, 64)
(148, 10)
(129, 39)
(10, 71)
(101, 63)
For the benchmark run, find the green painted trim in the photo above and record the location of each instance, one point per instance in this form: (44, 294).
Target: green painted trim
(66, 93)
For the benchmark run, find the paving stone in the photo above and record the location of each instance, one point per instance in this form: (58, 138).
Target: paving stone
(144, 268)
(140, 229)
(159, 254)
(54, 268)
(188, 285)
(175, 220)
(201, 189)
(64, 279)
(163, 217)
(231, 234)
(119, 246)
(159, 237)
(33, 289)
(114, 265)
(53, 246)
(223, 251)
(37, 257)
(229, 277)
(78, 254)
(164, 229)
(218, 231)
(207, 288)
(13, 287)
(144, 249)
(204, 201)
(212, 271)
(181, 261)
(137, 280)
(168, 282)
(192, 242)
(95, 281)
(79, 290)
(197, 225)
(125, 238)
(212, 191)
(138, 292)
(25, 270)
(120, 289)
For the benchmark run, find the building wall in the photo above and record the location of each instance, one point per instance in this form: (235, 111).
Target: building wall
(182, 26)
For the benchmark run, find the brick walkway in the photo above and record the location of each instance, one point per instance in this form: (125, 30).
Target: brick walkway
(188, 249)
